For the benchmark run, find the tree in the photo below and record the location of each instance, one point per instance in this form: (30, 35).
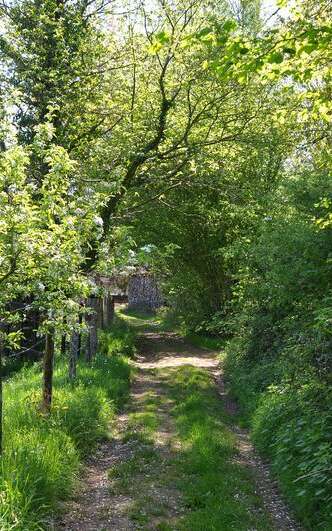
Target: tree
(215, 150)
(172, 106)
(55, 63)
(56, 60)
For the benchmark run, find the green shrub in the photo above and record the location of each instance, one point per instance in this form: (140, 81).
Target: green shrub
(293, 427)
(289, 410)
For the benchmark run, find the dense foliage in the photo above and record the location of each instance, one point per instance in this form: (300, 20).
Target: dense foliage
(244, 252)
(279, 361)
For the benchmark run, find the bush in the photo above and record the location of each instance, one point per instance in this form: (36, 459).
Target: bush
(42, 454)
(289, 410)
(279, 363)
(293, 428)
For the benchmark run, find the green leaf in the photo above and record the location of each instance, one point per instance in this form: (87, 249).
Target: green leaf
(162, 37)
(290, 51)
(204, 32)
(275, 58)
(309, 48)
(229, 25)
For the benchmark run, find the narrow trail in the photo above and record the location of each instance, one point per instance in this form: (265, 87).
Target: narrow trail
(124, 486)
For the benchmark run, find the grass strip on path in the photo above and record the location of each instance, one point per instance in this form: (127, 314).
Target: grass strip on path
(218, 491)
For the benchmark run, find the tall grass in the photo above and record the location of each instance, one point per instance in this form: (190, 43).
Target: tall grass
(42, 455)
(120, 338)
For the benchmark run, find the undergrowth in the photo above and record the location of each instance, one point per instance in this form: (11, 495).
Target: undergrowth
(120, 338)
(291, 422)
(203, 341)
(42, 455)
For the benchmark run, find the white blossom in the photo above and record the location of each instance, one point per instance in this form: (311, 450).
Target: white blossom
(98, 221)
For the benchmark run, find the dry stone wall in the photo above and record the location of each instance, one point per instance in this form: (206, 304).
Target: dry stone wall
(144, 292)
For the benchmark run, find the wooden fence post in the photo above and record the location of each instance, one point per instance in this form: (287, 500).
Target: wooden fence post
(100, 312)
(73, 354)
(92, 323)
(108, 312)
(48, 372)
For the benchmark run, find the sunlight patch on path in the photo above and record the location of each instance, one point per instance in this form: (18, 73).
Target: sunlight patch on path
(171, 361)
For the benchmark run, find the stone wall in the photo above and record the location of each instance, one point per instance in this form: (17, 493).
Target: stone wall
(144, 292)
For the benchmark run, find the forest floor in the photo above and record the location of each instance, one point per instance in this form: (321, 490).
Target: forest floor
(176, 460)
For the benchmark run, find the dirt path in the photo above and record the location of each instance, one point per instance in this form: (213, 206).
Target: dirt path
(134, 495)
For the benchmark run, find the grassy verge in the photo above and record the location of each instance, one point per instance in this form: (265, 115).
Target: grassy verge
(143, 320)
(139, 321)
(42, 455)
(139, 314)
(207, 342)
(120, 338)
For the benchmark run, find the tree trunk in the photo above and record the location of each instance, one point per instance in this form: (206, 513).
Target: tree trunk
(88, 356)
(79, 346)
(73, 354)
(48, 372)
(87, 338)
(63, 344)
(64, 340)
(100, 312)
(108, 312)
